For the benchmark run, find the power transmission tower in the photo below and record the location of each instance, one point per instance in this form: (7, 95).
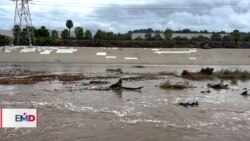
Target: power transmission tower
(22, 20)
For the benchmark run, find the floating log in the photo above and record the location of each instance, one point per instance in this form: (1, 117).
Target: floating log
(208, 91)
(244, 93)
(192, 104)
(217, 86)
(132, 89)
(118, 86)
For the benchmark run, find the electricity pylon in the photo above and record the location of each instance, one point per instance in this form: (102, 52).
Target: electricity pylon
(23, 20)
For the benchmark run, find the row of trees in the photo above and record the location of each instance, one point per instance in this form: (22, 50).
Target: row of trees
(100, 35)
(44, 36)
(4, 40)
(235, 36)
(103, 35)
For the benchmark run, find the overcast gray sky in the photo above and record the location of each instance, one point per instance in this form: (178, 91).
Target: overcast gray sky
(124, 15)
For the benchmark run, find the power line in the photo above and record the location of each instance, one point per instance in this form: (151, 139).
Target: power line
(171, 5)
(134, 6)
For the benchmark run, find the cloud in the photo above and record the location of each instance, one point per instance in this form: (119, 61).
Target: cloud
(124, 15)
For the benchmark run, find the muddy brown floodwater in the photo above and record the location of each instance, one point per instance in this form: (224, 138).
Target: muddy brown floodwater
(68, 112)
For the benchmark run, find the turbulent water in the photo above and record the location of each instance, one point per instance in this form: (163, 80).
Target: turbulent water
(152, 114)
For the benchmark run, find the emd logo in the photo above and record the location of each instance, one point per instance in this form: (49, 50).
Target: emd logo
(25, 118)
(19, 118)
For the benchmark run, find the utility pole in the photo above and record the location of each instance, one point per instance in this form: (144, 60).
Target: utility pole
(22, 20)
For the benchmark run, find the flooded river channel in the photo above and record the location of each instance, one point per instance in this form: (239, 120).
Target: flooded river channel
(68, 111)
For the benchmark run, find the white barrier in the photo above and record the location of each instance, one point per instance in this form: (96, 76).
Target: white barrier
(111, 57)
(101, 53)
(46, 51)
(157, 51)
(28, 50)
(66, 50)
(131, 58)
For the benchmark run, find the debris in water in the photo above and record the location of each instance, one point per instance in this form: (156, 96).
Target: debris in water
(206, 71)
(192, 104)
(116, 86)
(245, 93)
(140, 67)
(217, 86)
(118, 70)
(132, 89)
(208, 91)
(195, 75)
(167, 73)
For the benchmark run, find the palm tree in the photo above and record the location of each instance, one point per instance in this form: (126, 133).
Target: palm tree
(69, 25)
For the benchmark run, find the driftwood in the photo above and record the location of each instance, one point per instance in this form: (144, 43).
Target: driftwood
(206, 71)
(245, 93)
(217, 86)
(118, 86)
(132, 89)
(208, 91)
(192, 104)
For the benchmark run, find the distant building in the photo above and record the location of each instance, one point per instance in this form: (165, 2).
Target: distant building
(182, 35)
(6, 33)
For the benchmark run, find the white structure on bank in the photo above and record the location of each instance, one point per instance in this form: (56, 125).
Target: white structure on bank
(182, 35)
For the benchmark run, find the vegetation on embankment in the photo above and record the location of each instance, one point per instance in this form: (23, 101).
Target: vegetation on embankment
(137, 38)
(221, 74)
(233, 74)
